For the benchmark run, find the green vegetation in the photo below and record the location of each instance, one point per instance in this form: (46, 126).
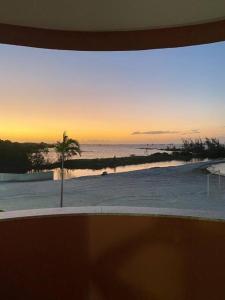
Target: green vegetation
(101, 163)
(191, 149)
(209, 148)
(21, 157)
(66, 149)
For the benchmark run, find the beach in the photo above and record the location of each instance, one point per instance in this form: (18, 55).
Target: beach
(180, 187)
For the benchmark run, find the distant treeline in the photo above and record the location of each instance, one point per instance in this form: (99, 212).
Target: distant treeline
(190, 149)
(20, 157)
(23, 157)
(102, 163)
(198, 148)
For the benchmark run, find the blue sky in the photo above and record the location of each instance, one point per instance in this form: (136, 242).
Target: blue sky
(106, 96)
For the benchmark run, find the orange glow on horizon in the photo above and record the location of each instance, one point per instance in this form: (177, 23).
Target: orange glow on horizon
(105, 97)
(34, 122)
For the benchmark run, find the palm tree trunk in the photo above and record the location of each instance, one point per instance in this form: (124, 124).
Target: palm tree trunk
(62, 180)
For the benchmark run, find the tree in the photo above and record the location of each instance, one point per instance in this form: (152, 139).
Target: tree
(66, 149)
(38, 159)
(21, 157)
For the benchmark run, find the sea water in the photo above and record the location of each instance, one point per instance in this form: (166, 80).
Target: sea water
(91, 151)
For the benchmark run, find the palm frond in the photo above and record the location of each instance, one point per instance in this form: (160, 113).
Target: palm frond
(68, 147)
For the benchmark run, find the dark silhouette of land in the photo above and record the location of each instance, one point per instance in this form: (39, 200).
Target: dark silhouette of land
(102, 163)
(23, 157)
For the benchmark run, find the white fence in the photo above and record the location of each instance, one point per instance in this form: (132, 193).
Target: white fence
(10, 177)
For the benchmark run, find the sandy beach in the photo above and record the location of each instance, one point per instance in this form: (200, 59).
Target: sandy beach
(181, 187)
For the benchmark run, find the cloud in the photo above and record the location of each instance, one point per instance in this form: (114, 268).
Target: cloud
(155, 132)
(193, 131)
(96, 141)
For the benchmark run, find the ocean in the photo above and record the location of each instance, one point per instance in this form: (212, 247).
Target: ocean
(119, 150)
(110, 150)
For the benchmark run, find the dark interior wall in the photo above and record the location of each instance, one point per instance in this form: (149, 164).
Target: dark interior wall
(112, 257)
(113, 40)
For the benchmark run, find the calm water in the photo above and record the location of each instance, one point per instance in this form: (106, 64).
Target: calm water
(107, 151)
(87, 172)
(118, 150)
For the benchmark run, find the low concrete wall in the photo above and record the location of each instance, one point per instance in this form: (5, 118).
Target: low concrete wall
(10, 177)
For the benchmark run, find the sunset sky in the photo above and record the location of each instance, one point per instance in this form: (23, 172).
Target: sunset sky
(112, 97)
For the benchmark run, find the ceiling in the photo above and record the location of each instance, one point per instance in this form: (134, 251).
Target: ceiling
(96, 18)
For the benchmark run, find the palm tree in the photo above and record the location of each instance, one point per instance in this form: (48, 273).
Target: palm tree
(66, 149)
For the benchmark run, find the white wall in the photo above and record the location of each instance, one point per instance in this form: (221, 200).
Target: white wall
(26, 177)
